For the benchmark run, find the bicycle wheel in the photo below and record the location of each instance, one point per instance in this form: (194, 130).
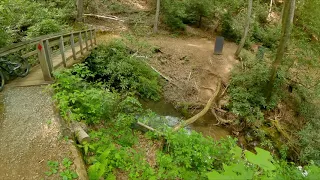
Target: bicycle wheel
(2, 81)
(23, 70)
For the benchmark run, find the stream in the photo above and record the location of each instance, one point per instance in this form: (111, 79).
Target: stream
(205, 125)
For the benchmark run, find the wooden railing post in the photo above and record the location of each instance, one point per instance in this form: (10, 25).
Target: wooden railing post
(91, 42)
(95, 36)
(43, 62)
(86, 39)
(48, 54)
(63, 56)
(72, 47)
(80, 42)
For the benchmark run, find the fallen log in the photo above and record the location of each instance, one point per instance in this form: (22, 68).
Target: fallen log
(104, 17)
(201, 113)
(80, 134)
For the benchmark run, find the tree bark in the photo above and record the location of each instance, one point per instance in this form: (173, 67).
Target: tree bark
(246, 30)
(287, 21)
(80, 10)
(156, 22)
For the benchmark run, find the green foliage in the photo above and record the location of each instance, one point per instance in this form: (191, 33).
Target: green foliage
(44, 27)
(267, 35)
(247, 88)
(174, 13)
(228, 28)
(197, 153)
(248, 165)
(107, 157)
(179, 13)
(53, 166)
(114, 65)
(78, 100)
(20, 18)
(66, 173)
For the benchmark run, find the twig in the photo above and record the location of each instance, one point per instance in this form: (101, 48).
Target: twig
(189, 76)
(224, 91)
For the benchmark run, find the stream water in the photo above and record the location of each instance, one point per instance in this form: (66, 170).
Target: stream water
(206, 125)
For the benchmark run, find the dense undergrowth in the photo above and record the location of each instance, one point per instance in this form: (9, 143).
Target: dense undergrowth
(89, 93)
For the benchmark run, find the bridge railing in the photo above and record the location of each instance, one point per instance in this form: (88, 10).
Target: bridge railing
(48, 48)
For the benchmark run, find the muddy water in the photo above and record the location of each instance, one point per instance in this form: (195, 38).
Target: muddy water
(206, 125)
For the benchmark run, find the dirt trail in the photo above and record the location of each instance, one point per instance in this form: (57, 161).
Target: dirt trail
(191, 64)
(29, 135)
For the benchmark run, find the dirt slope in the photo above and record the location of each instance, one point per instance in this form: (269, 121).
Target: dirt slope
(191, 64)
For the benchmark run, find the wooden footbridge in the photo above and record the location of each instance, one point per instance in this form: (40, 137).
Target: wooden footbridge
(51, 52)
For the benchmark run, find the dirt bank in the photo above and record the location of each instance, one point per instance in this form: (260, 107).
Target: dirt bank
(191, 64)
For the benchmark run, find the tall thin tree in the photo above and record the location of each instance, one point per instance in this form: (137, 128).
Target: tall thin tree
(156, 22)
(287, 21)
(80, 10)
(246, 29)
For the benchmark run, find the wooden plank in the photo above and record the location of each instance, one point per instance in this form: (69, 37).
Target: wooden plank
(91, 39)
(86, 39)
(30, 54)
(80, 42)
(73, 47)
(61, 46)
(47, 51)
(43, 62)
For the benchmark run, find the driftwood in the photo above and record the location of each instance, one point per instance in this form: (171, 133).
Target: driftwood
(149, 128)
(201, 113)
(115, 18)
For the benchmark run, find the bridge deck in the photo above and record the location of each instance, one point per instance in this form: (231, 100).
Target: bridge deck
(35, 77)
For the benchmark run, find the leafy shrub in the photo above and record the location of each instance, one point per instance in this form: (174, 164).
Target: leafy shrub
(309, 136)
(80, 101)
(44, 27)
(105, 157)
(228, 28)
(247, 88)
(174, 13)
(114, 65)
(267, 35)
(197, 153)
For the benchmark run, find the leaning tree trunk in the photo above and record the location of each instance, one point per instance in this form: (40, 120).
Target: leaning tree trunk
(156, 22)
(80, 10)
(246, 29)
(287, 21)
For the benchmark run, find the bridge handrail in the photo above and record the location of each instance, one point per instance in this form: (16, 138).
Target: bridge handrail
(18, 46)
(46, 46)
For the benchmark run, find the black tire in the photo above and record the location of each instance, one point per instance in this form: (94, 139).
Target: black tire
(24, 69)
(2, 81)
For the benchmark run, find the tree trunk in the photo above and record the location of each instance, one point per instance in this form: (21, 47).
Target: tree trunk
(246, 30)
(80, 10)
(287, 21)
(156, 22)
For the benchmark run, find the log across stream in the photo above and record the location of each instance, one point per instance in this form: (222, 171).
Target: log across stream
(206, 124)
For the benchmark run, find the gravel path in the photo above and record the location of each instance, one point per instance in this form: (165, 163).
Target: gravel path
(29, 134)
